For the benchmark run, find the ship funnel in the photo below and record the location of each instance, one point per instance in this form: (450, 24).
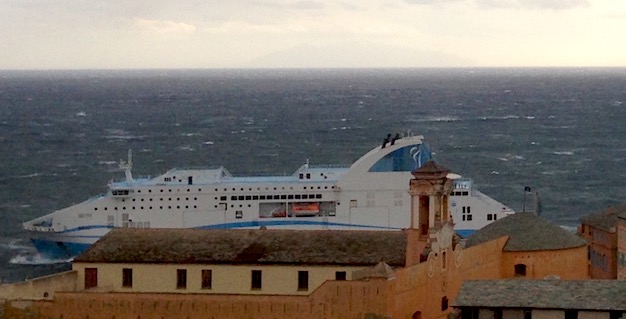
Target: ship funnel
(127, 166)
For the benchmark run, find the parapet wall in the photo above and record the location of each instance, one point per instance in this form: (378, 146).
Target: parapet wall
(42, 288)
(334, 299)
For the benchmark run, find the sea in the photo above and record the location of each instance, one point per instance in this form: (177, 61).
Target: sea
(561, 132)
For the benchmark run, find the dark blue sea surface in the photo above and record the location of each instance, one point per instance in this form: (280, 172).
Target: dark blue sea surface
(561, 132)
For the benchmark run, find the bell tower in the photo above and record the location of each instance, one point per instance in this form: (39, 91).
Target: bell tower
(430, 189)
(431, 223)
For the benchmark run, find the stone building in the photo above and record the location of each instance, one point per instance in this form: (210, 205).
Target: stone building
(601, 232)
(621, 245)
(535, 247)
(526, 299)
(242, 262)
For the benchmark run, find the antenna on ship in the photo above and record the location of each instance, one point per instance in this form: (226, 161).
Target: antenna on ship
(127, 166)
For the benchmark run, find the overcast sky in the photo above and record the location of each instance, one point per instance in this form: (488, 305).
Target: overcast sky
(112, 34)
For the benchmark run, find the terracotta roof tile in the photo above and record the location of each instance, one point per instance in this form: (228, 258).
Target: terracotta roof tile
(267, 246)
(606, 219)
(527, 232)
(544, 294)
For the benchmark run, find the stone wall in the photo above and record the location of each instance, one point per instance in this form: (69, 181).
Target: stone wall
(41, 288)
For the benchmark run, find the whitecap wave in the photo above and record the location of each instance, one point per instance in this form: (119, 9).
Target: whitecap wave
(437, 119)
(17, 244)
(568, 153)
(497, 118)
(36, 259)
(107, 162)
(29, 175)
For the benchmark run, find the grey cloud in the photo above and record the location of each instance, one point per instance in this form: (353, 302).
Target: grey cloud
(297, 5)
(431, 2)
(534, 4)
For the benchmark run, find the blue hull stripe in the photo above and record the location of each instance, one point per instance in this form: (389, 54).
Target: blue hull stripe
(58, 250)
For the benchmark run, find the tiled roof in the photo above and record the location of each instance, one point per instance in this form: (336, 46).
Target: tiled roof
(266, 246)
(544, 294)
(527, 232)
(430, 170)
(606, 219)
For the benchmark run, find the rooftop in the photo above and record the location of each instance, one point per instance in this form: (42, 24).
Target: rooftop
(259, 246)
(527, 232)
(606, 219)
(544, 294)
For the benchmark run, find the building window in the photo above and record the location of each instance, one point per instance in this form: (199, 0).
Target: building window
(528, 314)
(520, 270)
(340, 275)
(571, 314)
(303, 280)
(181, 278)
(257, 280)
(91, 277)
(207, 278)
(444, 303)
(127, 277)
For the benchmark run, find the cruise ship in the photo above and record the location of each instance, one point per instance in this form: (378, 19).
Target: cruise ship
(372, 194)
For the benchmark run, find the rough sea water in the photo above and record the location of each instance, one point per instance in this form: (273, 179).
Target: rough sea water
(561, 132)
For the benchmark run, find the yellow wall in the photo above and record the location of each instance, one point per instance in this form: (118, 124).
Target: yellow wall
(422, 287)
(227, 279)
(564, 263)
(39, 288)
(621, 249)
(419, 288)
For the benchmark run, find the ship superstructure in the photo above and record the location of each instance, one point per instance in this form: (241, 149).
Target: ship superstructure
(372, 193)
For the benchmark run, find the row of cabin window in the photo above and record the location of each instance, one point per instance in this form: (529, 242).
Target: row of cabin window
(161, 199)
(462, 193)
(234, 189)
(206, 280)
(272, 197)
(149, 207)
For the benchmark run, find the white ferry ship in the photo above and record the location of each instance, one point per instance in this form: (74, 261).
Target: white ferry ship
(372, 193)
